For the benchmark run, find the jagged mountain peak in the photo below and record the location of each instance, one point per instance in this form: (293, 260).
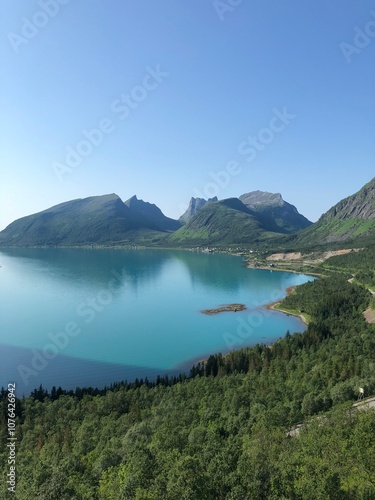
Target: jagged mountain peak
(151, 214)
(195, 204)
(133, 201)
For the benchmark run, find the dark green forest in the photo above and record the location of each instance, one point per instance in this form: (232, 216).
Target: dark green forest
(361, 265)
(221, 432)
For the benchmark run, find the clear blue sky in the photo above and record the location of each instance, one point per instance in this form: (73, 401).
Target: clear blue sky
(228, 69)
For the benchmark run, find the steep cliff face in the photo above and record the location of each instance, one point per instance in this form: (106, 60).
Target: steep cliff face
(360, 205)
(195, 205)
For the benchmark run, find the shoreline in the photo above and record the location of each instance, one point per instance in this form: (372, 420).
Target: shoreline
(273, 306)
(277, 269)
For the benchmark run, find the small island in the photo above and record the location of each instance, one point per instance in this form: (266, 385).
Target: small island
(225, 308)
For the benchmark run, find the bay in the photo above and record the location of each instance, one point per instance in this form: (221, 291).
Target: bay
(82, 317)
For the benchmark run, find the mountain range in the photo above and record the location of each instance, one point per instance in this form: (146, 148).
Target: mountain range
(256, 217)
(253, 217)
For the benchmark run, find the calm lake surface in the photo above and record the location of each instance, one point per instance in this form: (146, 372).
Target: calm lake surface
(80, 317)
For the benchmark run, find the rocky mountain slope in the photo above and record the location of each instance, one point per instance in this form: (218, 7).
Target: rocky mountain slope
(195, 205)
(225, 222)
(151, 215)
(277, 214)
(350, 220)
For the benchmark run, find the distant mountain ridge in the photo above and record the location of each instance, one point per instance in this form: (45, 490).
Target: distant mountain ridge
(254, 217)
(277, 214)
(99, 220)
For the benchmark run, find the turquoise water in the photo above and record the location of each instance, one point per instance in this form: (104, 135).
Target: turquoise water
(74, 317)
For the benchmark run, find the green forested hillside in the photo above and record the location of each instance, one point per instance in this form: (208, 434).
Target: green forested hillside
(361, 265)
(97, 220)
(352, 220)
(220, 434)
(225, 222)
